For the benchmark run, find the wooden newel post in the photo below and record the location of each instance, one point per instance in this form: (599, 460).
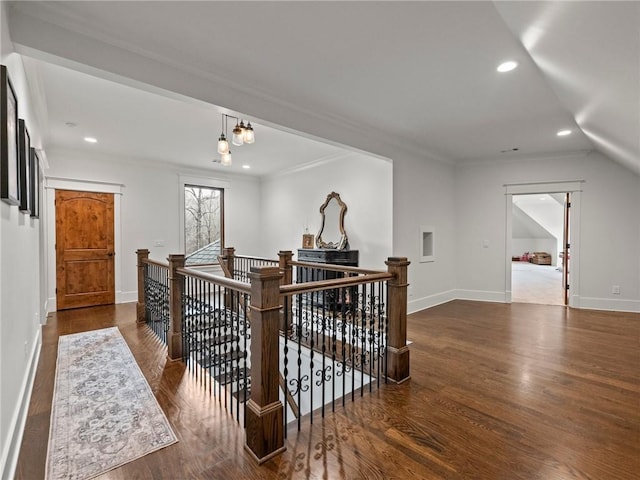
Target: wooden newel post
(176, 287)
(228, 258)
(397, 350)
(141, 314)
(285, 257)
(265, 429)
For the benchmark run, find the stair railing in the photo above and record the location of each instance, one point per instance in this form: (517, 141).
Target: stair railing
(224, 329)
(153, 295)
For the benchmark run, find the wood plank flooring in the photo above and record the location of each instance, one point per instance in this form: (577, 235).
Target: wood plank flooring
(497, 392)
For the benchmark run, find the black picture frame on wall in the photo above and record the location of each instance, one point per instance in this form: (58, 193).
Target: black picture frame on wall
(9, 167)
(24, 142)
(35, 184)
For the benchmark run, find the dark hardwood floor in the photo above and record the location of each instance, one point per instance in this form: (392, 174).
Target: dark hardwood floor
(497, 392)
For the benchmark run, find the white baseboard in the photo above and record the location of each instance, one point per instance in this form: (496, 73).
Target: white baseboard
(51, 305)
(9, 459)
(430, 301)
(479, 295)
(127, 297)
(608, 304)
(616, 305)
(45, 311)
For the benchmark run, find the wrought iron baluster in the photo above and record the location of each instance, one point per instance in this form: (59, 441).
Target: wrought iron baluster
(299, 385)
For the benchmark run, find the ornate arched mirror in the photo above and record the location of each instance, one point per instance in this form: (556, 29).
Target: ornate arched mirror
(332, 234)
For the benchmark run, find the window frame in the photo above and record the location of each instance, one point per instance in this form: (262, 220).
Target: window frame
(213, 183)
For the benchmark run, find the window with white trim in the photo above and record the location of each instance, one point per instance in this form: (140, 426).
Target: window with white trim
(203, 223)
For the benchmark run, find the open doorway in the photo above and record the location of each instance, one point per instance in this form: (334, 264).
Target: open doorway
(572, 286)
(539, 246)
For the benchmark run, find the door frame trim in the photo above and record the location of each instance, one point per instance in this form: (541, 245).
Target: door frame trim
(575, 188)
(58, 183)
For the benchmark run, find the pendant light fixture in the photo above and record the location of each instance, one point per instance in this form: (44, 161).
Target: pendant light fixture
(223, 145)
(249, 137)
(238, 134)
(225, 159)
(241, 134)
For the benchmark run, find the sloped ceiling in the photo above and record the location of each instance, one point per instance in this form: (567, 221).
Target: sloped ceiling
(589, 54)
(524, 226)
(386, 77)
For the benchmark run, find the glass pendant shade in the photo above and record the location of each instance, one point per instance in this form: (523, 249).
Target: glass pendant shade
(249, 136)
(241, 134)
(238, 136)
(223, 145)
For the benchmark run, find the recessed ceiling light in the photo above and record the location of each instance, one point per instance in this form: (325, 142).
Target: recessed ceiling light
(563, 133)
(90, 140)
(507, 66)
(246, 167)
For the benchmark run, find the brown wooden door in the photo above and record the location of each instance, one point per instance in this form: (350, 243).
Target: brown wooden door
(84, 249)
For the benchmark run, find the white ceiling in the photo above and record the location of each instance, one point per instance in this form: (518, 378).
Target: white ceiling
(134, 123)
(413, 76)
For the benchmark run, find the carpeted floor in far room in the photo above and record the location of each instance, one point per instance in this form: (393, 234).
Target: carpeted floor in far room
(531, 283)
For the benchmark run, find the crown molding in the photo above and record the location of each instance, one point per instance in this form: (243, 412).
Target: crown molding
(334, 157)
(178, 168)
(495, 160)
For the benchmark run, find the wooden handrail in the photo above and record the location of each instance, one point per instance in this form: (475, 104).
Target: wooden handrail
(335, 283)
(155, 262)
(225, 282)
(335, 268)
(261, 259)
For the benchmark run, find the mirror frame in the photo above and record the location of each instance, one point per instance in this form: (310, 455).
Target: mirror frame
(344, 241)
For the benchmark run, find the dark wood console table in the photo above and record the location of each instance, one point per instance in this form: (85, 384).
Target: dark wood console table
(347, 258)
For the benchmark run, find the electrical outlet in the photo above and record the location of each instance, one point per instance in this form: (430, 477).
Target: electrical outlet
(615, 289)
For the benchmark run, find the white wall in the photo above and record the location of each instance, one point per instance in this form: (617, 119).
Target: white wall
(424, 195)
(150, 209)
(609, 236)
(21, 307)
(421, 193)
(292, 200)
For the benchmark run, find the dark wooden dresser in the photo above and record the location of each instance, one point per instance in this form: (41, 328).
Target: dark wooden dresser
(347, 258)
(332, 300)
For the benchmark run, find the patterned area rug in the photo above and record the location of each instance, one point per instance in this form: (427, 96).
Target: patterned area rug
(104, 413)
